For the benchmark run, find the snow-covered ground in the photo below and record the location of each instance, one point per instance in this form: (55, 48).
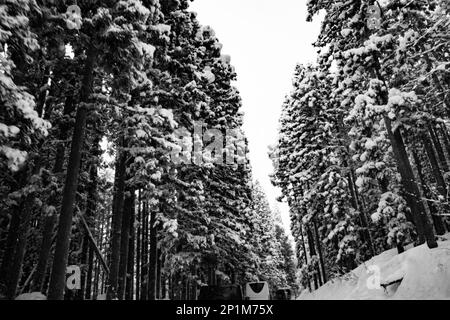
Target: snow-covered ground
(424, 274)
(31, 296)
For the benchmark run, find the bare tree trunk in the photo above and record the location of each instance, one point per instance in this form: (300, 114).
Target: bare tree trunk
(319, 249)
(437, 220)
(144, 262)
(44, 253)
(138, 249)
(91, 209)
(171, 290)
(10, 245)
(444, 133)
(165, 284)
(312, 252)
(84, 257)
(116, 230)
(90, 264)
(87, 249)
(125, 242)
(50, 219)
(441, 187)
(43, 94)
(64, 127)
(305, 253)
(158, 275)
(131, 246)
(96, 280)
(439, 150)
(153, 257)
(58, 274)
(15, 271)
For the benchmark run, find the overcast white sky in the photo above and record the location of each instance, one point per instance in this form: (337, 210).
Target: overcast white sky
(265, 40)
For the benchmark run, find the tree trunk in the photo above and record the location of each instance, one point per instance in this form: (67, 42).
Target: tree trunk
(125, 242)
(444, 133)
(84, 261)
(10, 245)
(96, 280)
(17, 260)
(412, 193)
(90, 213)
(88, 290)
(138, 249)
(319, 249)
(116, 230)
(64, 127)
(58, 274)
(304, 252)
(144, 262)
(51, 219)
(43, 94)
(153, 257)
(130, 268)
(312, 252)
(171, 290)
(164, 288)
(44, 252)
(439, 150)
(91, 209)
(362, 216)
(427, 193)
(441, 187)
(158, 275)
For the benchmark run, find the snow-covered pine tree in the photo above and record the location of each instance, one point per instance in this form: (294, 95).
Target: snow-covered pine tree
(377, 94)
(267, 246)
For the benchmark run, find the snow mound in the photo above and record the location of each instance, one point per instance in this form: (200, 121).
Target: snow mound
(101, 296)
(419, 273)
(31, 296)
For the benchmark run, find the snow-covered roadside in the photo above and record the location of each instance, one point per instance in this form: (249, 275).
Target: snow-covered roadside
(425, 274)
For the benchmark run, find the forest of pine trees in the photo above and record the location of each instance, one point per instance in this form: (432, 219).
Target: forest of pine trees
(89, 108)
(95, 104)
(364, 142)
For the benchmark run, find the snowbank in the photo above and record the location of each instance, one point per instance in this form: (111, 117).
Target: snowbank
(418, 273)
(31, 296)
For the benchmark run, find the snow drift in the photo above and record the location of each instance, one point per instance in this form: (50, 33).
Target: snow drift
(418, 273)
(31, 296)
